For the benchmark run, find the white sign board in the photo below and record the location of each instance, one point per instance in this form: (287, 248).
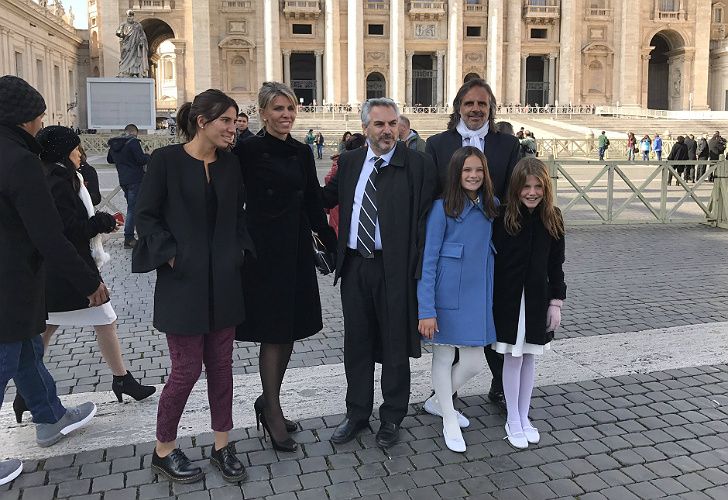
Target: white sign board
(113, 103)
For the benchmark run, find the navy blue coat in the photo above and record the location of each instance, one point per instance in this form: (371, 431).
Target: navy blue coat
(127, 154)
(456, 286)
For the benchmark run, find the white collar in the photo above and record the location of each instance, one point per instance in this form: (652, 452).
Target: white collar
(387, 157)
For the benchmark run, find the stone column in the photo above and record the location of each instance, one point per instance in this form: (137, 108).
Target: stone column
(552, 78)
(4, 54)
(495, 46)
(355, 59)
(396, 52)
(454, 46)
(331, 51)
(179, 70)
(408, 77)
(630, 80)
(701, 62)
(287, 66)
(524, 57)
(569, 56)
(201, 47)
(319, 76)
(644, 77)
(271, 40)
(512, 38)
(440, 77)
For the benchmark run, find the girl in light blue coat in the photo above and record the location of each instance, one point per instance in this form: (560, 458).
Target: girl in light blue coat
(455, 293)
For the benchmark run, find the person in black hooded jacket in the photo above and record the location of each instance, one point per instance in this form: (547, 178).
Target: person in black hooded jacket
(679, 151)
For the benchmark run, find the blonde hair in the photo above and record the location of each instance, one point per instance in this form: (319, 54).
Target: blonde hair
(550, 215)
(271, 90)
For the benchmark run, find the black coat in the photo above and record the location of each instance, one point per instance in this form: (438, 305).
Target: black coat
(716, 145)
(91, 178)
(283, 203)
(127, 154)
(703, 149)
(501, 150)
(78, 229)
(530, 261)
(692, 146)
(204, 291)
(31, 232)
(679, 151)
(406, 188)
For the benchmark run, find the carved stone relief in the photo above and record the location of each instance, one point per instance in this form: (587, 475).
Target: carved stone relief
(425, 31)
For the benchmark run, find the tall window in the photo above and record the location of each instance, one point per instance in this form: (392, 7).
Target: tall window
(40, 76)
(669, 5)
(718, 15)
(57, 86)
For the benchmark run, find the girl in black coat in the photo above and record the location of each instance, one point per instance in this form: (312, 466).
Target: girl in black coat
(82, 227)
(283, 205)
(529, 288)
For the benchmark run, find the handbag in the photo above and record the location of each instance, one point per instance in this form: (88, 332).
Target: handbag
(322, 256)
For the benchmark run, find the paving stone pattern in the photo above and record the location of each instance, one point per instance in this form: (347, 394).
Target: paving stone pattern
(657, 435)
(620, 279)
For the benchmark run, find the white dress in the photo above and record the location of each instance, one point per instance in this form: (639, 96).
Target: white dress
(91, 316)
(521, 347)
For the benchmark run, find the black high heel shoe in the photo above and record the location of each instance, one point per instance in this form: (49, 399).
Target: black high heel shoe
(289, 445)
(259, 404)
(19, 407)
(127, 384)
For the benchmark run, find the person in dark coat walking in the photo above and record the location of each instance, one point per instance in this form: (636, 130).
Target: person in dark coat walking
(127, 154)
(472, 123)
(384, 194)
(716, 147)
(192, 231)
(32, 233)
(692, 146)
(83, 228)
(528, 288)
(283, 202)
(679, 151)
(703, 152)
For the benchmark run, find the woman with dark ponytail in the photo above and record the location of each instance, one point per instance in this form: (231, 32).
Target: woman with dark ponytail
(192, 231)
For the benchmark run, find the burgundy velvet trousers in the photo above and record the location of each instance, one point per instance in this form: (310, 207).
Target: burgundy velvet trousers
(188, 352)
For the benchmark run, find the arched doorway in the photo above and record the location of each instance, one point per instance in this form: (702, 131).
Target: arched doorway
(376, 85)
(658, 74)
(470, 76)
(666, 72)
(162, 65)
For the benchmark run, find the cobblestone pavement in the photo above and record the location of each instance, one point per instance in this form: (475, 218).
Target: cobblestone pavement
(620, 279)
(657, 435)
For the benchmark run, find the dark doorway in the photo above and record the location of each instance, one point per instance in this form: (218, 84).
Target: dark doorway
(376, 85)
(537, 85)
(658, 74)
(423, 80)
(303, 77)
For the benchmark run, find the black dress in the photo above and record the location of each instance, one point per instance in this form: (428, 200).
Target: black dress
(283, 204)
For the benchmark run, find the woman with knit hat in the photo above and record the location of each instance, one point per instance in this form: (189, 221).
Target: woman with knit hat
(83, 228)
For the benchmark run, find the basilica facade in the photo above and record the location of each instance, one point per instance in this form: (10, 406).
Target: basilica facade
(658, 54)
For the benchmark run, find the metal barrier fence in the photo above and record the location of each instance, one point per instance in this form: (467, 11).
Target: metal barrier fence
(620, 192)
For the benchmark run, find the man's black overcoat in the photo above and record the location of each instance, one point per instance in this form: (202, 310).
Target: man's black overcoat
(405, 190)
(501, 151)
(30, 232)
(204, 290)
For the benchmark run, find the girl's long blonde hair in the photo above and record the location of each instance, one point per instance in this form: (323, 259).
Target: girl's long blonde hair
(550, 215)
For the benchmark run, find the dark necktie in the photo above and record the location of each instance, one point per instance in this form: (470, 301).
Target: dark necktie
(368, 214)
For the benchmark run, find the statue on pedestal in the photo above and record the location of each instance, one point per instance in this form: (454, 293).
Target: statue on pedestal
(134, 60)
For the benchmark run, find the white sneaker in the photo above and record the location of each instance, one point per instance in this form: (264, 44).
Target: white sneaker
(432, 407)
(455, 443)
(532, 434)
(517, 440)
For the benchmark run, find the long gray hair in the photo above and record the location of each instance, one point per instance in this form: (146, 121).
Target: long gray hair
(455, 115)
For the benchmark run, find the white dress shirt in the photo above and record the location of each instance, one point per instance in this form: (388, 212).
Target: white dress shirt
(361, 184)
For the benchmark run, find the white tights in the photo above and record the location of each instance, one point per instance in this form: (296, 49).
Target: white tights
(448, 378)
(518, 378)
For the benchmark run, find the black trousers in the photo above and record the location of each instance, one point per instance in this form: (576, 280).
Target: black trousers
(364, 303)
